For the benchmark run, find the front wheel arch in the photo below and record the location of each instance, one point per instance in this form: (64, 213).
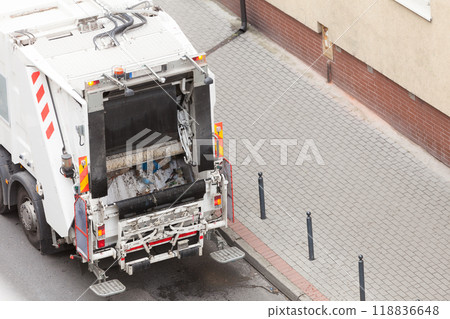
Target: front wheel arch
(25, 180)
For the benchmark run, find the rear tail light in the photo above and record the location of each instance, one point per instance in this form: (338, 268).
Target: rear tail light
(101, 231)
(92, 83)
(218, 200)
(101, 236)
(101, 243)
(199, 58)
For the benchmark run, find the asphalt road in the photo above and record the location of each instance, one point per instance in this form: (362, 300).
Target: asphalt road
(27, 275)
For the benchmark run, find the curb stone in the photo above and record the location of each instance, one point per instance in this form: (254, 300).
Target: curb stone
(275, 277)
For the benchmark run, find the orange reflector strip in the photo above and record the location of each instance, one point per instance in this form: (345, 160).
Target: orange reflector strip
(218, 133)
(84, 174)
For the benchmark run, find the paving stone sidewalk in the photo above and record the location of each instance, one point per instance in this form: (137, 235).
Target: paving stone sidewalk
(369, 196)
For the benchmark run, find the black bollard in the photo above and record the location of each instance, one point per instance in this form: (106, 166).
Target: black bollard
(362, 285)
(262, 203)
(310, 235)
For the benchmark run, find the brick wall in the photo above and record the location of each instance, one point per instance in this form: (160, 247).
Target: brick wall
(414, 118)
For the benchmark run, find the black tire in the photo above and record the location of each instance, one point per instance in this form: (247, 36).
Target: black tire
(39, 234)
(29, 217)
(3, 208)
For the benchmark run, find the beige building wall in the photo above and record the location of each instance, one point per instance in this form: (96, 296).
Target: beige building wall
(395, 41)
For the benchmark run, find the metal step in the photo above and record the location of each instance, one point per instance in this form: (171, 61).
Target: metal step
(108, 288)
(227, 255)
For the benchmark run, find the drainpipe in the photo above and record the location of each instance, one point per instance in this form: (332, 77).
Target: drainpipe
(236, 34)
(243, 28)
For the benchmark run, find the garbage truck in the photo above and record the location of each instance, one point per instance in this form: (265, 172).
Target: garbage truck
(107, 139)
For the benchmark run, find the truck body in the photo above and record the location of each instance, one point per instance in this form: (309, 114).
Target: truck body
(107, 139)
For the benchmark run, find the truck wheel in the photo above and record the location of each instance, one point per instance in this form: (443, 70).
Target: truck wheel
(3, 208)
(28, 217)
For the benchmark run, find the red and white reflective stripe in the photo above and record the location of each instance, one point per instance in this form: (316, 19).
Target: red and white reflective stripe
(41, 90)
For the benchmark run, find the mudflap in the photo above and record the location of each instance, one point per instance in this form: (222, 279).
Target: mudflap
(81, 227)
(190, 252)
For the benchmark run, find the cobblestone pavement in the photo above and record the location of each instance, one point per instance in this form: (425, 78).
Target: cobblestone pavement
(368, 196)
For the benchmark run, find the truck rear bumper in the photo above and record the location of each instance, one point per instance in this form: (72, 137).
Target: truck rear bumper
(144, 263)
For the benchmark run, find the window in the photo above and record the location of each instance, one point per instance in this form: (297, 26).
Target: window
(3, 99)
(421, 7)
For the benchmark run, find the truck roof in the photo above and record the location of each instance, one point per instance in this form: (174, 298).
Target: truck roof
(63, 47)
